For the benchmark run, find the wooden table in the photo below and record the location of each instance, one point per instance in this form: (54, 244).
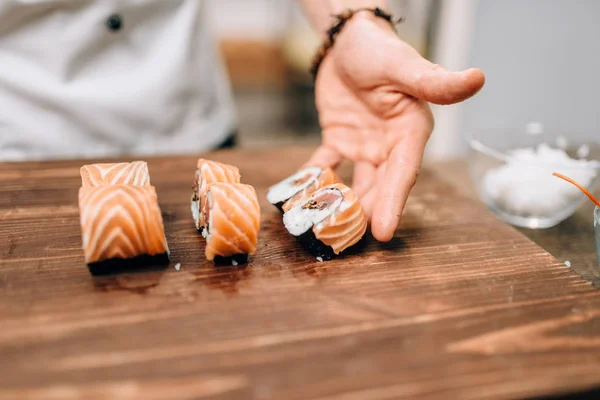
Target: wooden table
(457, 305)
(571, 240)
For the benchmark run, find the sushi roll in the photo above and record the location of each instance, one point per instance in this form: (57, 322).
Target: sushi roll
(232, 216)
(287, 193)
(328, 222)
(121, 227)
(134, 173)
(209, 172)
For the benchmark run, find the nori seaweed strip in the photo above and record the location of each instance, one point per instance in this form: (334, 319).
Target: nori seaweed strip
(314, 246)
(238, 258)
(116, 265)
(280, 205)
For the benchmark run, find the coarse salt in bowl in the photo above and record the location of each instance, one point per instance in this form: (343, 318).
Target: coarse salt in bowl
(513, 174)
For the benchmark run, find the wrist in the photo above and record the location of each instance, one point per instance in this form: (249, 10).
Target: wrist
(361, 18)
(352, 19)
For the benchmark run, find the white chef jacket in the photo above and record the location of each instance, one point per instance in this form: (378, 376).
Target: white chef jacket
(99, 78)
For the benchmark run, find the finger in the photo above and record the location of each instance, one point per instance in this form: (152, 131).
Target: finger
(347, 142)
(400, 176)
(364, 177)
(356, 144)
(325, 157)
(373, 150)
(368, 200)
(433, 83)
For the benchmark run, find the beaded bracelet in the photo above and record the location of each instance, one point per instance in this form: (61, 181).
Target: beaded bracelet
(336, 29)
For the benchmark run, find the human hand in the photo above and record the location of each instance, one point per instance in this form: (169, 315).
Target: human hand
(373, 92)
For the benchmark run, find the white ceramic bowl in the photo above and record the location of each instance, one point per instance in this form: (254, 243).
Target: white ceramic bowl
(518, 185)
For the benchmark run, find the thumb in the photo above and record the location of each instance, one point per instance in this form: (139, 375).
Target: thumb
(422, 79)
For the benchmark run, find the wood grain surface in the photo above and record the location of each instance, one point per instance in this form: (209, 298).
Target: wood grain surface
(457, 305)
(572, 240)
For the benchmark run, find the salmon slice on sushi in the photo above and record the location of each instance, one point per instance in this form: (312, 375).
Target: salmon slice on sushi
(133, 173)
(328, 222)
(207, 173)
(232, 216)
(287, 193)
(122, 228)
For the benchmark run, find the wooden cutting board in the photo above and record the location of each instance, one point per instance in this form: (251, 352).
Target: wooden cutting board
(457, 305)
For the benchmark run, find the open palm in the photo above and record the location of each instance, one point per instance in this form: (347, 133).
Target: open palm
(372, 93)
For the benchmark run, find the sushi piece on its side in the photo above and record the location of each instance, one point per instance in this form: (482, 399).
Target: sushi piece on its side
(209, 172)
(292, 190)
(134, 173)
(121, 225)
(328, 222)
(232, 216)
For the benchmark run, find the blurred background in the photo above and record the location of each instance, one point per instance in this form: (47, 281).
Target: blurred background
(540, 58)
(268, 47)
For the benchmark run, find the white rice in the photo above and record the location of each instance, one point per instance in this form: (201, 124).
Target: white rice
(195, 212)
(285, 189)
(298, 220)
